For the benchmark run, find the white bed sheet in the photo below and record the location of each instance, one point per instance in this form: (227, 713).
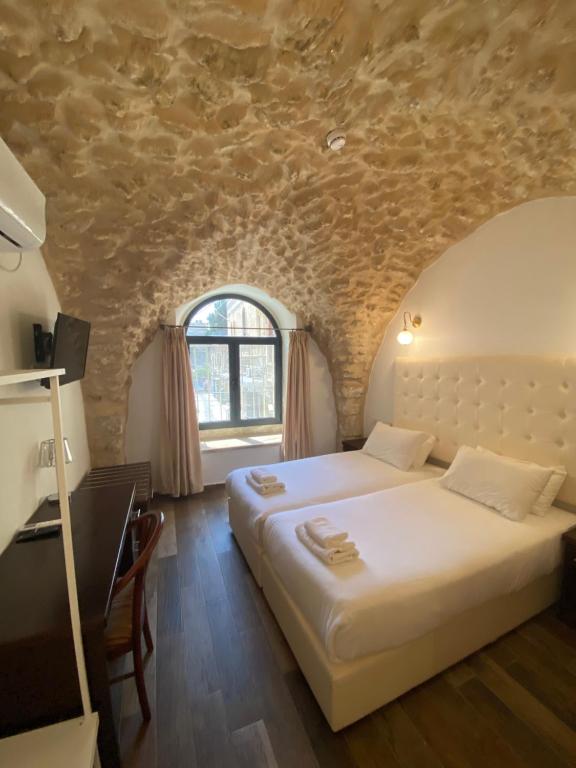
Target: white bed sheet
(426, 554)
(316, 480)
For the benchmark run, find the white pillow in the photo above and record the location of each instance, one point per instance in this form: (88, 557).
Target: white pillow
(423, 452)
(543, 503)
(396, 446)
(506, 485)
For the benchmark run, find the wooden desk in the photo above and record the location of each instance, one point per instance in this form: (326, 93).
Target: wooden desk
(39, 684)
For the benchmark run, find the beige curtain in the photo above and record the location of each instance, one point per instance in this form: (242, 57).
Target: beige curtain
(181, 467)
(296, 440)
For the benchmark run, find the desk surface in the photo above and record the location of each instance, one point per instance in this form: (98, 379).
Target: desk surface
(33, 595)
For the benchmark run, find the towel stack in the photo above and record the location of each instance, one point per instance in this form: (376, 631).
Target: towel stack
(264, 483)
(328, 543)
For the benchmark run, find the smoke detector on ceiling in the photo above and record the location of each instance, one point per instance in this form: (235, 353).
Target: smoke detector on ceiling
(336, 139)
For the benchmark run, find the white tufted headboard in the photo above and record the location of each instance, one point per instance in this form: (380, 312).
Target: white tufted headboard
(524, 407)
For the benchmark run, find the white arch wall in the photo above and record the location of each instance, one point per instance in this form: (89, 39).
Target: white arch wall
(510, 287)
(143, 426)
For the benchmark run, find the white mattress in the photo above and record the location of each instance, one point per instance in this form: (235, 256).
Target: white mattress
(314, 481)
(427, 554)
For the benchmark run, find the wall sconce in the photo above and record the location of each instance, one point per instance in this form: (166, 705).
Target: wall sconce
(47, 458)
(406, 336)
(48, 453)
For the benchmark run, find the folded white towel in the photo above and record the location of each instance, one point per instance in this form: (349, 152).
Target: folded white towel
(263, 477)
(324, 533)
(265, 490)
(333, 556)
(343, 546)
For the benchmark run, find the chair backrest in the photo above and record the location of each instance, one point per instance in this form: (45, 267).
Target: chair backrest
(147, 528)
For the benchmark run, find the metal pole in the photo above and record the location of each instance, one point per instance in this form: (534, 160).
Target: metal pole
(307, 328)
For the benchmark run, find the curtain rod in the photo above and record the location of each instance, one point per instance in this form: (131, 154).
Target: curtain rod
(306, 328)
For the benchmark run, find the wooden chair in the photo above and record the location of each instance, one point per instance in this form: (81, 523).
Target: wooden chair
(128, 619)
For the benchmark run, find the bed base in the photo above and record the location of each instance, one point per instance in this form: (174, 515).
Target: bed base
(250, 548)
(348, 691)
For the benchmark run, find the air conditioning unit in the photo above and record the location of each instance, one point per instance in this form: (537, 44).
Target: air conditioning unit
(22, 206)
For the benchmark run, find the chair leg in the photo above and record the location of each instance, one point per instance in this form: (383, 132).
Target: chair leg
(147, 633)
(140, 682)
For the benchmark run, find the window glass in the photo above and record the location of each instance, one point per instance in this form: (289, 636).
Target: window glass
(211, 379)
(229, 317)
(257, 377)
(236, 360)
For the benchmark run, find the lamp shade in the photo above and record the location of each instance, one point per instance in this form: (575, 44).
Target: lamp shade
(405, 337)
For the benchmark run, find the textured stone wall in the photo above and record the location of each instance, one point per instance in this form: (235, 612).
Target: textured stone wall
(181, 146)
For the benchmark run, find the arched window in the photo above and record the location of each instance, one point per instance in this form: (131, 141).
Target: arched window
(236, 358)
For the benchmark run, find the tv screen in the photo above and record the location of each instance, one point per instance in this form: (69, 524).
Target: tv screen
(70, 347)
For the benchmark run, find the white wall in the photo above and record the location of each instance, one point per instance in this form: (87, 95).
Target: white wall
(144, 403)
(28, 296)
(323, 416)
(217, 464)
(143, 427)
(510, 287)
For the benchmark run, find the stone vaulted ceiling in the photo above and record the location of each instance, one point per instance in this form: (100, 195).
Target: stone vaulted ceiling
(180, 145)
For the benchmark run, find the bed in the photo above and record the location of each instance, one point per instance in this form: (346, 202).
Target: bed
(459, 575)
(308, 481)
(427, 554)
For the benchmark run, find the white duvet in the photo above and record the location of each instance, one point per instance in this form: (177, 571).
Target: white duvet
(426, 554)
(314, 481)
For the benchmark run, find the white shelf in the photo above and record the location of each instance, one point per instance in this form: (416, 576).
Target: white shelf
(33, 374)
(70, 744)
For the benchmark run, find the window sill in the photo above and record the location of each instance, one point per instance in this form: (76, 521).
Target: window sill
(239, 443)
(224, 433)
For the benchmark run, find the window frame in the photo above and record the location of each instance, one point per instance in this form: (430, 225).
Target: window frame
(234, 343)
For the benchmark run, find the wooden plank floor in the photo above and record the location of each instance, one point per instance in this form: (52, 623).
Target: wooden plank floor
(225, 689)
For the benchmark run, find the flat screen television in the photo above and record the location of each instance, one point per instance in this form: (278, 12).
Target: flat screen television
(69, 348)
